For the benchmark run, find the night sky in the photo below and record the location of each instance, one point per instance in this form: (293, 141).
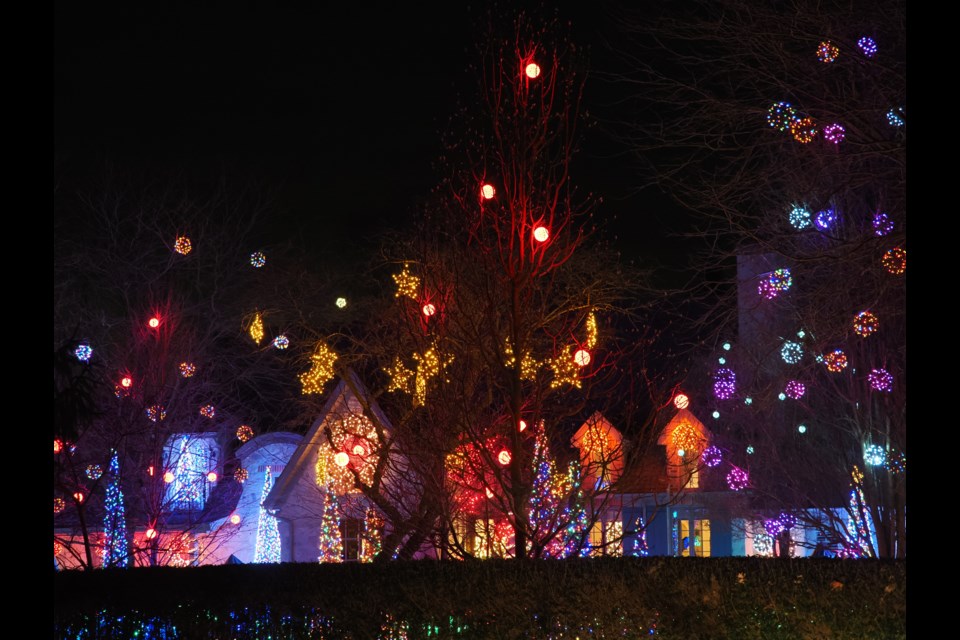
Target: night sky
(336, 109)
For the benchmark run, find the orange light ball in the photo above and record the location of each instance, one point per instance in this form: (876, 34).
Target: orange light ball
(235, 519)
(126, 382)
(168, 477)
(212, 476)
(57, 446)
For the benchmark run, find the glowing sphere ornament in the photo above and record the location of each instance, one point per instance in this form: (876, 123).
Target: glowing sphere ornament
(582, 357)
(795, 389)
(802, 428)
(240, 475)
(504, 457)
(541, 234)
(867, 46)
(532, 70)
(150, 533)
(244, 432)
(882, 224)
(762, 544)
(897, 462)
(257, 259)
(523, 425)
(865, 324)
(711, 456)
(281, 342)
(788, 520)
(749, 449)
(716, 415)
(168, 477)
(182, 245)
(126, 382)
(835, 361)
(78, 496)
(57, 446)
(726, 346)
(187, 369)
(83, 352)
(800, 218)
(780, 279)
(774, 527)
(825, 219)
(59, 504)
(724, 384)
(153, 322)
(827, 52)
(341, 303)
(234, 519)
(212, 476)
(895, 261)
(894, 118)
(748, 400)
(342, 459)
(803, 130)
(681, 401)
(834, 133)
(791, 352)
(208, 411)
(781, 115)
(722, 360)
(487, 191)
(737, 479)
(880, 380)
(874, 455)
(781, 396)
(155, 413)
(429, 309)
(766, 290)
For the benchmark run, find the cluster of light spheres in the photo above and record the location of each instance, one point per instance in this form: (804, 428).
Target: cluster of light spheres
(59, 505)
(541, 234)
(281, 342)
(487, 192)
(737, 479)
(94, 471)
(867, 46)
(724, 383)
(881, 380)
(800, 218)
(187, 369)
(835, 361)
(182, 245)
(825, 219)
(834, 133)
(244, 432)
(763, 544)
(894, 119)
(874, 455)
(865, 324)
(711, 456)
(781, 115)
(795, 389)
(208, 411)
(897, 462)
(341, 303)
(681, 401)
(581, 357)
(257, 259)
(803, 130)
(827, 52)
(83, 352)
(791, 352)
(882, 223)
(240, 475)
(895, 261)
(155, 413)
(532, 70)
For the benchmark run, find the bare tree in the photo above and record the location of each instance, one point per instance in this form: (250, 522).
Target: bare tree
(783, 126)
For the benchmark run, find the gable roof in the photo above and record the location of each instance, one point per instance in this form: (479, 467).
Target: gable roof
(682, 416)
(350, 388)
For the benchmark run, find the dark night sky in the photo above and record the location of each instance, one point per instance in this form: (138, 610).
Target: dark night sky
(336, 108)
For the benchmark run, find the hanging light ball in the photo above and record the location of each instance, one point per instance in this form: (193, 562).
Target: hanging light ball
(795, 389)
(532, 70)
(240, 475)
(429, 309)
(94, 471)
(182, 245)
(865, 324)
(150, 533)
(78, 496)
(581, 357)
(895, 261)
(212, 476)
(874, 455)
(791, 352)
(827, 52)
(711, 456)
(257, 259)
(281, 342)
(155, 413)
(802, 428)
(781, 115)
(881, 380)
(724, 383)
(342, 459)
(235, 518)
(681, 401)
(187, 369)
(804, 130)
(800, 218)
(244, 432)
(825, 219)
(126, 382)
(59, 504)
(208, 411)
(153, 322)
(835, 361)
(834, 133)
(504, 457)
(83, 352)
(168, 477)
(774, 527)
(894, 119)
(882, 224)
(541, 234)
(341, 303)
(737, 479)
(868, 46)
(487, 191)
(57, 446)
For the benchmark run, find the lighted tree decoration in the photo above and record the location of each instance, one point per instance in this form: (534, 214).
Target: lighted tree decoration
(268, 533)
(331, 541)
(116, 545)
(321, 370)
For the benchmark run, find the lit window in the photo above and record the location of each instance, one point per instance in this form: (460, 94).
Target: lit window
(350, 535)
(694, 539)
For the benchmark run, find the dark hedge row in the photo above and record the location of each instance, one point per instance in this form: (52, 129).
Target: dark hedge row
(602, 598)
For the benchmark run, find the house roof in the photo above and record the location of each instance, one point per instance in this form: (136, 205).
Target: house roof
(349, 387)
